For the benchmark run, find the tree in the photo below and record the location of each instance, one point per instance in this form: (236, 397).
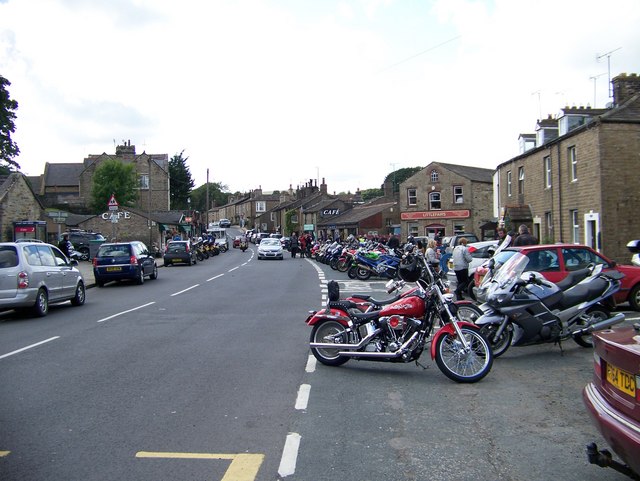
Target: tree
(180, 181)
(8, 148)
(114, 177)
(369, 194)
(397, 177)
(218, 195)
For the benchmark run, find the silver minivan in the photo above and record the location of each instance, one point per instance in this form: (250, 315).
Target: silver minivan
(34, 275)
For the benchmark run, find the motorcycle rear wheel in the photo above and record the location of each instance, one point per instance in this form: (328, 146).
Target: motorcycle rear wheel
(468, 312)
(351, 272)
(326, 332)
(343, 265)
(461, 366)
(498, 346)
(593, 315)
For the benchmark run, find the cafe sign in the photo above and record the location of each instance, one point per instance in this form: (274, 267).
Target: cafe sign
(118, 215)
(436, 214)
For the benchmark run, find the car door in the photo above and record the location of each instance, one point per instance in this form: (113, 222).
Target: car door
(145, 258)
(9, 269)
(49, 271)
(69, 274)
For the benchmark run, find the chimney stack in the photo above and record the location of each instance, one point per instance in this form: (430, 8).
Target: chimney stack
(624, 87)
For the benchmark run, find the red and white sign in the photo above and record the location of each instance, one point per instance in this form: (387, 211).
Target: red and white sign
(436, 214)
(113, 203)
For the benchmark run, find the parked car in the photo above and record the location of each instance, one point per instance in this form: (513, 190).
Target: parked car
(481, 252)
(612, 398)
(270, 249)
(81, 241)
(179, 252)
(453, 240)
(259, 236)
(124, 260)
(34, 275)
(555, 261)
(225, 223)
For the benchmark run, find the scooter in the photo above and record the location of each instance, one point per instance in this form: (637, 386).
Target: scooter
(523, 308)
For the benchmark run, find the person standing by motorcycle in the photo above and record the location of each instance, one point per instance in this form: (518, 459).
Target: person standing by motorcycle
(65, 245)
(433, 258)
(461, 259)
(295, 244)
(524, 237)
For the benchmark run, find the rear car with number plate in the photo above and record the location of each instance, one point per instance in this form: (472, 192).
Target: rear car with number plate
(179, 252)
(613, 399)
(124, 261)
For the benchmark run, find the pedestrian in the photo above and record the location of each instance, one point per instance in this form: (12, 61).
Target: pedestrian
(393, 243)
(433, 257)
(524, 237)
(303, 245)
(461, 259)
(65, 245)
(294, 245)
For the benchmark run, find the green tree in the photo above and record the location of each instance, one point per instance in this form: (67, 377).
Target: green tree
(8, 148)
(180, 182)
(114, 177)
(369, 194)
(397, 177)
(218, 195)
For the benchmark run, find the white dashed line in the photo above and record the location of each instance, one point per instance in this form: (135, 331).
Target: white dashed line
(29, 347)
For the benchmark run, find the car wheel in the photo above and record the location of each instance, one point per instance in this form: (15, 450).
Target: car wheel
(84, 253)
(79, 297)
(41, 307)
(634, 298)
(140, 278)
(154, 274)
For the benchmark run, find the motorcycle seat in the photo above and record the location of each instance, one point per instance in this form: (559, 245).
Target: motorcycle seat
(573, 278)
(377, 302)
(582, 292)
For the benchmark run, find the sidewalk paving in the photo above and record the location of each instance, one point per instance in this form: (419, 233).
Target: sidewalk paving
(86, 268)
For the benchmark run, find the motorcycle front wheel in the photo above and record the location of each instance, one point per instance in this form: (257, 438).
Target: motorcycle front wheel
(343, 265)
(460, 364)
(362, 273)
(498, 345)
(327, 331)
(593, 315)
(351, 272)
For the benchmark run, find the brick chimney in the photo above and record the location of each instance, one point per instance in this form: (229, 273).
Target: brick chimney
(624, 87)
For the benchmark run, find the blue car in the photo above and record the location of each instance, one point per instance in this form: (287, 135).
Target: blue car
(124, 261)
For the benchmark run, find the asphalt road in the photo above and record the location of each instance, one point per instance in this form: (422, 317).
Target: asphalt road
(205, 374)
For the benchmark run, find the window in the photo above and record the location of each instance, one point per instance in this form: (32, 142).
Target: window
(575, 226)
(458, 198)
(46, 256)
(143, 181)
(573, 163)
(434, 201)
(520, 180)
(579, 258)
(261, 206)
(458, 229)
(412, 196)
(547, 171)
(435, 176)
(413, 230)
(543, 260)
(294, 219)
(509, 183)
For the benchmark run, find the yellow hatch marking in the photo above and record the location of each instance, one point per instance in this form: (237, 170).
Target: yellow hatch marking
(244, 467)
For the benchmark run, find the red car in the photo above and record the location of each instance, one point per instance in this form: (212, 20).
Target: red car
(613, 398)
(555, 261)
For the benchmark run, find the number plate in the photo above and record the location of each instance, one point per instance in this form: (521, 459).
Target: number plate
(114, 269)
(621, 380)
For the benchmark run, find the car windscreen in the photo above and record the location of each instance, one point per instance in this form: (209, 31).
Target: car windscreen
(114, 251)
(177, 247)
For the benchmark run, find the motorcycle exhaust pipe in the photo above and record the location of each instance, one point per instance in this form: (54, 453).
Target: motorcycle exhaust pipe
(330, 345)
(618, 318)
(386, 355)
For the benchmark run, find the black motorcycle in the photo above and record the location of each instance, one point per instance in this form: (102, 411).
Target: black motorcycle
(523, 308)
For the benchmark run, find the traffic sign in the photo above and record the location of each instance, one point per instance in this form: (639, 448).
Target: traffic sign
(113, 203)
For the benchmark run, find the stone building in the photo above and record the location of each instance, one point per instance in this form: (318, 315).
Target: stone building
(446, 199)
(19, 204)
(581, 185)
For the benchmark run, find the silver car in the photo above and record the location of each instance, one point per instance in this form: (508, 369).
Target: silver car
(34, 275)
(481, 252)
(270, 249)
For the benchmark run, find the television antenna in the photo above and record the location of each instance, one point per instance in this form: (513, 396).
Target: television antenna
(608, 55)
(595, 78)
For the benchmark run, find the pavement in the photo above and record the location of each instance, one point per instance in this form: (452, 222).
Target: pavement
(86, 268)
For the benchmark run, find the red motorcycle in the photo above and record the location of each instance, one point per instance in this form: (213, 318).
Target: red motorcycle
(400, 331)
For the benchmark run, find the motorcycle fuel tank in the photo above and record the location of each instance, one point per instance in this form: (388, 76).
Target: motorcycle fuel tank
(407, 306)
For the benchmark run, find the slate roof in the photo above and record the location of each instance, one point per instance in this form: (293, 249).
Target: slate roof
(477, 174)
(627, 112)
(62, 174)
(358, 213)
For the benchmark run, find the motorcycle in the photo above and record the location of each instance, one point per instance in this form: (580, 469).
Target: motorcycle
(523, 308)
(243, 245)
(400, 330)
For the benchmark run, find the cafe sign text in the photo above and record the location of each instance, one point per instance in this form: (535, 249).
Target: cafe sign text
(436, 214)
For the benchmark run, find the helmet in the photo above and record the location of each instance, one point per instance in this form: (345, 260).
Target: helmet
(409, 269)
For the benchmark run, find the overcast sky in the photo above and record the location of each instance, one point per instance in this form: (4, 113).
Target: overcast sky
(272, 93)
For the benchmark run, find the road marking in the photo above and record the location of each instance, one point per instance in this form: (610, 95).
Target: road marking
(244, 467)
(24, 349)
(126, 312)
(233, 269)
(303, 397)
(4, 453)
(311, 364)
(289, 455)
(215, 277)
(184, 290)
